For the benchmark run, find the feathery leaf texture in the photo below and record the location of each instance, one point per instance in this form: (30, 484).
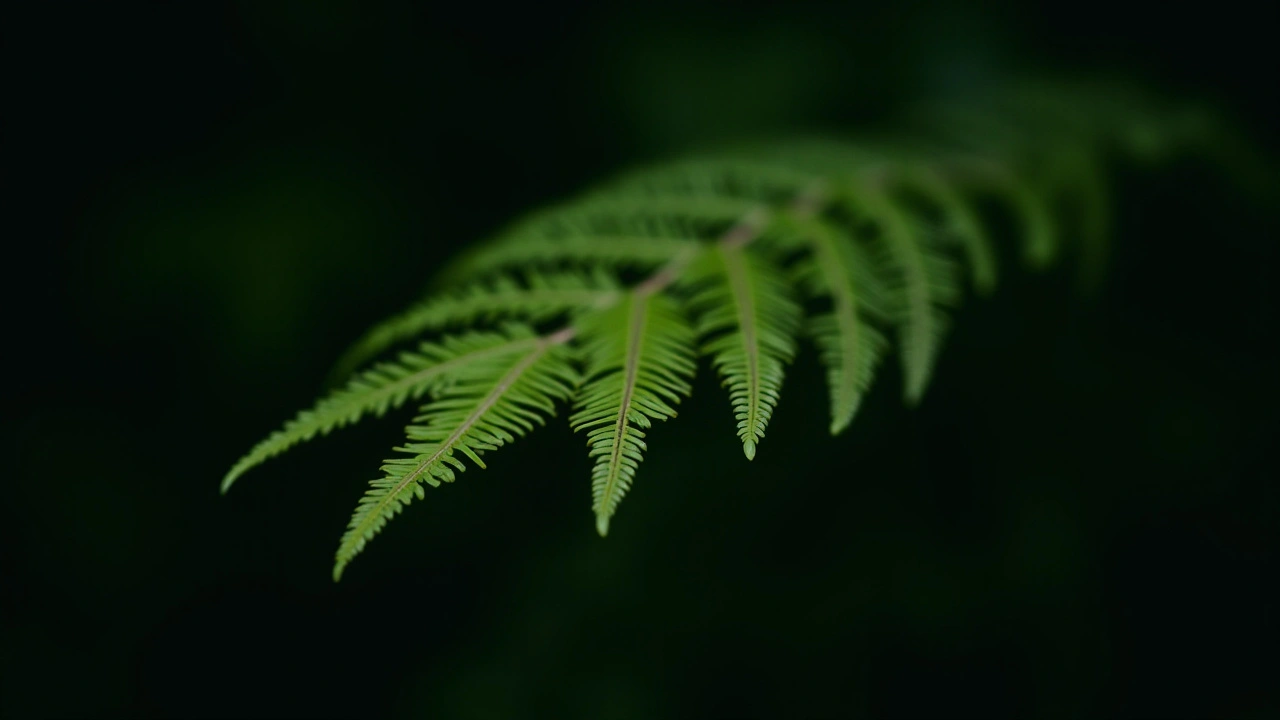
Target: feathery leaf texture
(960, 223)
(838, 268)
(639, 358)
(748, 320)
(538, 298)
(385, 386)
(862, 247)
(475, 414)
(923, 282)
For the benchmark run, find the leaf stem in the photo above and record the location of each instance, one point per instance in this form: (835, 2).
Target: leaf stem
(747, 229)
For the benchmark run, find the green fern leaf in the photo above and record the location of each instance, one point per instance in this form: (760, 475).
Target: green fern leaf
(639, 358)
(961, 223)
(1039, 229)
(386, 386)
(748, 321)
(541, 297)
(492, 401)
(924, 282)
(872, 234)
(837, 268)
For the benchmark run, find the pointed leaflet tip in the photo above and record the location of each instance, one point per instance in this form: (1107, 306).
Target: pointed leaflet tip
(602, 524)
(749, 449)
(911, 396)
(917, 381)
(838, 426)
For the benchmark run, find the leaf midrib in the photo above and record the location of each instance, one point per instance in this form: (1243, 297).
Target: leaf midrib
(334, 415)
(740, 285)
(631, 370)
(845, 307)
(446, 366)
(485, 405)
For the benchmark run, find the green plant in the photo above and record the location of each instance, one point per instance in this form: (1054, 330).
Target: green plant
(735, 257)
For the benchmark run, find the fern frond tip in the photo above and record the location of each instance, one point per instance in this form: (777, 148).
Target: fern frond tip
(913, 393)
(602, 524)
(749, 449)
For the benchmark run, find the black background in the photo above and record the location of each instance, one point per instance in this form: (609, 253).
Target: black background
(208, 202)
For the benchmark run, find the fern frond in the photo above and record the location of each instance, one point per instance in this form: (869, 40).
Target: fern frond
(539, 298)
(924, 282)
(492, 401)
(639, 358)
(748, 322)
(386, 386)
(873, 235)
(1038, 227)
(837, 268)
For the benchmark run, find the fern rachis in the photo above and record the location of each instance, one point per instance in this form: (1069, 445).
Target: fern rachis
(386, 386)
(745, 253)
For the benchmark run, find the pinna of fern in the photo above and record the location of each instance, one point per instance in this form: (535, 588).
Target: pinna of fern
(862, 249)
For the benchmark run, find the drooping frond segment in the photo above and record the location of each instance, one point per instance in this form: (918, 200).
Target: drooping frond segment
(539, 297)
(1088, 123)
(748, 321)
(491, 401)
(837, 268)
(639, 358)
(1031, 209)
(921, 281)
(385, 386)
(960, 222)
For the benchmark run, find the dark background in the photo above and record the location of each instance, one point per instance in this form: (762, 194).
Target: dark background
(208, 202)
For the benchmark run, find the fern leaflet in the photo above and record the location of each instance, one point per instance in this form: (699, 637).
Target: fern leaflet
(836, 267)
(385, 386)
(924, 281)
(639, 360)
(961, 223)
(473, 415)
(748, 321)
(539, 298)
